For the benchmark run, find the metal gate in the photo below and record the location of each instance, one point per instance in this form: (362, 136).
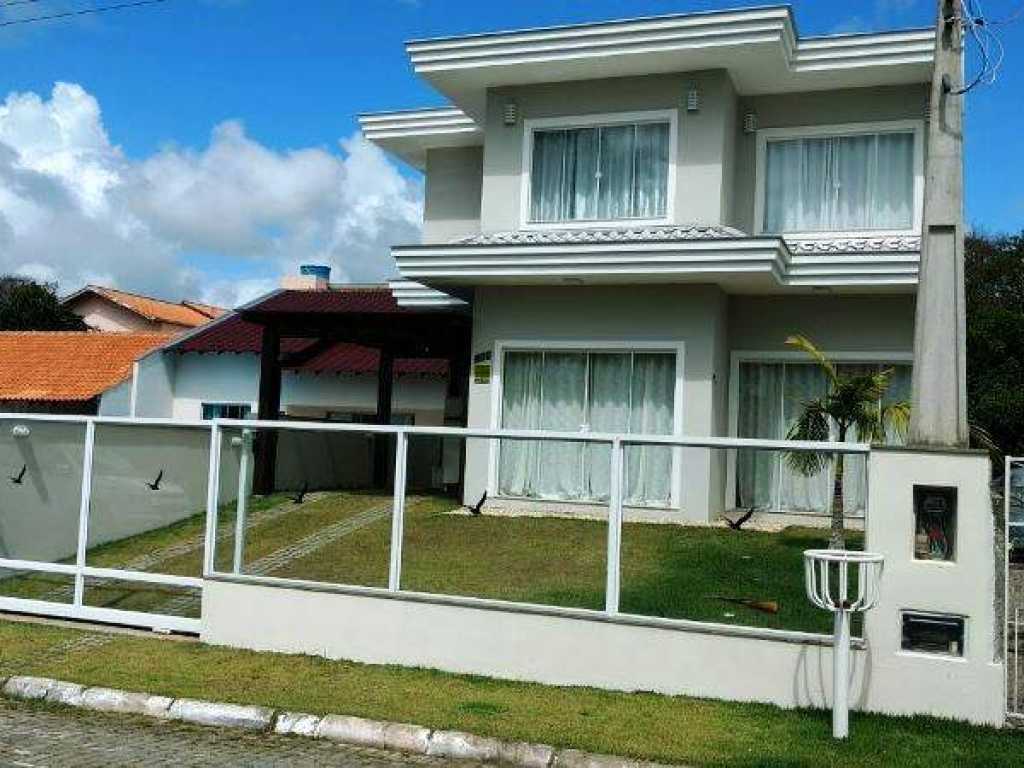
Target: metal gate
(85, 507)
(1013, 638)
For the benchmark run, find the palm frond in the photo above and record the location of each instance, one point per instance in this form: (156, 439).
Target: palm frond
(896, 417)
(812, 425)
(982, 438)
(808, 347)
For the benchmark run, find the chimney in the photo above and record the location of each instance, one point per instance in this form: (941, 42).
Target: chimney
(311, 277)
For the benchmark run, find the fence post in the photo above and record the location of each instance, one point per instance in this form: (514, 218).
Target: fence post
(241, 504)
(613, 577)
(398, 511)
(212, 495)
(83, 511)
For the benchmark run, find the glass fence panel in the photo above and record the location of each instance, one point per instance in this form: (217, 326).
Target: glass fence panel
(148, 504)
(539, 535)
(1015, 512)
(316, 505)
(741, 566)
(40, 489)
(164, 599)
(33, 585)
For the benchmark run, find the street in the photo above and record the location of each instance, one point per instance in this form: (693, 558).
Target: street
(32, 735)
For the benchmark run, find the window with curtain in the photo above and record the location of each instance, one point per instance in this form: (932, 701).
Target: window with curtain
(600, 173)
(624, 392)
(770, 398)
(839, 183)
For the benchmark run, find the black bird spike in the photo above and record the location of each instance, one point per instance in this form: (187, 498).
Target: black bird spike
(155, 485)
(737, 524)
(475, 509)
(297, 498)
(17, 479)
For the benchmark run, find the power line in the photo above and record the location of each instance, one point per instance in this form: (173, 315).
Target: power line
(79, 12)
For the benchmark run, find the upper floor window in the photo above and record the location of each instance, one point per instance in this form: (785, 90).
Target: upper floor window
(835, 180)
(599, 172)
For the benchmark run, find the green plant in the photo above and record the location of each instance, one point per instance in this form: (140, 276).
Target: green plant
(852, 406)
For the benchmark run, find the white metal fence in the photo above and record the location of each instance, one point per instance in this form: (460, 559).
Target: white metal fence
(226, 490)
(1013, 636)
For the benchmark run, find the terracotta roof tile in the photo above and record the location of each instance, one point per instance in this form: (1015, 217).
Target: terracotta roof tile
(188, 313)
(68, 366)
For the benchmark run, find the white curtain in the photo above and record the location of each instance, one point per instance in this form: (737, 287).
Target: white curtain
(599, 392)
(608, 172)
(649, 467)
(840, 183)
(770, 398)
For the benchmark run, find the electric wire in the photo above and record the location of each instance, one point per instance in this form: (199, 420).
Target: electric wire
(76, 12)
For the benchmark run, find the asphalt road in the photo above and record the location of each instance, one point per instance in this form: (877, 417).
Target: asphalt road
(32, 736)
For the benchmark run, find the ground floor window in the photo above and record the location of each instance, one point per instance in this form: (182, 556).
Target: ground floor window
(770, 397)
(593, 391)
(226, 411)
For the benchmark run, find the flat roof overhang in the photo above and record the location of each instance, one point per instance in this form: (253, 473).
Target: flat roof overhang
(746, 265)
(409, 134)
(760, 47)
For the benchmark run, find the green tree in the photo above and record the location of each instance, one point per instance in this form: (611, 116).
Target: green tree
(994, 278)
(852, 406)
(26, 305)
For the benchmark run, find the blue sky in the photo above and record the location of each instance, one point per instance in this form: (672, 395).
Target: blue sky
(289, 78)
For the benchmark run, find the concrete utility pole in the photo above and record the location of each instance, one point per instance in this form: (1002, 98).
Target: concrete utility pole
(939, 399)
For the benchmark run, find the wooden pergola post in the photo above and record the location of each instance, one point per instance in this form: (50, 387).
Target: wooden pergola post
(385, 392)
(265, 445)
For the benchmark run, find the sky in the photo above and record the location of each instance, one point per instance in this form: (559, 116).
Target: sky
(203, 148)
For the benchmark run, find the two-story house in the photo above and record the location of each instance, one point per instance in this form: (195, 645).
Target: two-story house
(640, 212)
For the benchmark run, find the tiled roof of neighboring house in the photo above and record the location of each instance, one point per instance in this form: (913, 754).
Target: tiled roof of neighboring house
(234, 335)
(602, 235)
(187, 313)
(68, 365)
(374, 299)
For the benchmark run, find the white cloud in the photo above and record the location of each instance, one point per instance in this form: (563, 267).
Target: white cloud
(73, 208)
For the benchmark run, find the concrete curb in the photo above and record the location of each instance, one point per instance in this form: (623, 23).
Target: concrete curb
(345, 729)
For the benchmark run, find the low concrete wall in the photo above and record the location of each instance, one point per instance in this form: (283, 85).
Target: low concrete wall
(518, 645)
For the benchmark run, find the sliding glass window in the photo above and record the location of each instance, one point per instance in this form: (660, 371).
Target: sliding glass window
(600, 173)
(570, 391)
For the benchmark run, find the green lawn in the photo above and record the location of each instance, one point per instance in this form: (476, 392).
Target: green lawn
(668, 729)
(667, 571)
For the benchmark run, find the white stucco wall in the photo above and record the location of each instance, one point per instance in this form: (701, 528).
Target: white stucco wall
(117, 401)
(691, 315)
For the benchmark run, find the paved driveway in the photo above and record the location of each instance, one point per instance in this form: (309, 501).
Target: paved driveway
(42, 736)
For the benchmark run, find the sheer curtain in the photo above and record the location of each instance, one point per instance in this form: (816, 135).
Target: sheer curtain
(600, 173)
(602, 392)
(770, 398)
(649, 467)
(840, 183)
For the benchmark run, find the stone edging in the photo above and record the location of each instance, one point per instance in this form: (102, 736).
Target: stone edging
(358, 731)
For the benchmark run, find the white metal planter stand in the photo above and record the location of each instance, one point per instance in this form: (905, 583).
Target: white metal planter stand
(827, 573)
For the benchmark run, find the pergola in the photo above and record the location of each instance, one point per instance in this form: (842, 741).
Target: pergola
(367, 316)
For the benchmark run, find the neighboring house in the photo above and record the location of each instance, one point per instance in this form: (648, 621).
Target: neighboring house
(70, 372)
(640, 212)
(107, 309)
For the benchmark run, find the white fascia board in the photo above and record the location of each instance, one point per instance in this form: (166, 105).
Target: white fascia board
(410, 133)
(469, 263)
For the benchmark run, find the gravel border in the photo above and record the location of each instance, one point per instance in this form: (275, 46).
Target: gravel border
(358, 731)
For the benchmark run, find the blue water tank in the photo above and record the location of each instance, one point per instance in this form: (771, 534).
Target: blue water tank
(315, 270)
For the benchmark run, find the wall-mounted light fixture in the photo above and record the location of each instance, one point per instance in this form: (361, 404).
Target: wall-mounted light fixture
(20, 430)
(692, 99)
(510, 113)
(750, 122)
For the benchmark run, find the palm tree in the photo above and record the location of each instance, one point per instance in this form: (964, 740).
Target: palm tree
(852, 402)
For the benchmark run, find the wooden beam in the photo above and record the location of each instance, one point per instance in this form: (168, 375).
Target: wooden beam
(265, 446)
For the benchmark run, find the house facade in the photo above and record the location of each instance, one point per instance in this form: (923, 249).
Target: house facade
(640, 213)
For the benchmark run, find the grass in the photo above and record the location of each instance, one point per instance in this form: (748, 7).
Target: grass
(667, 571)
(647, 726)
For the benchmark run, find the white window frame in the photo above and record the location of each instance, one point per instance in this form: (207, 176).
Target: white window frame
(530, 126)
(845, 129)
(670, 346)
(785, 356)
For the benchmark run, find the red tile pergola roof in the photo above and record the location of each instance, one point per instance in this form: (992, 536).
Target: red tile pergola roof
(71, 366)
(234, 335)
